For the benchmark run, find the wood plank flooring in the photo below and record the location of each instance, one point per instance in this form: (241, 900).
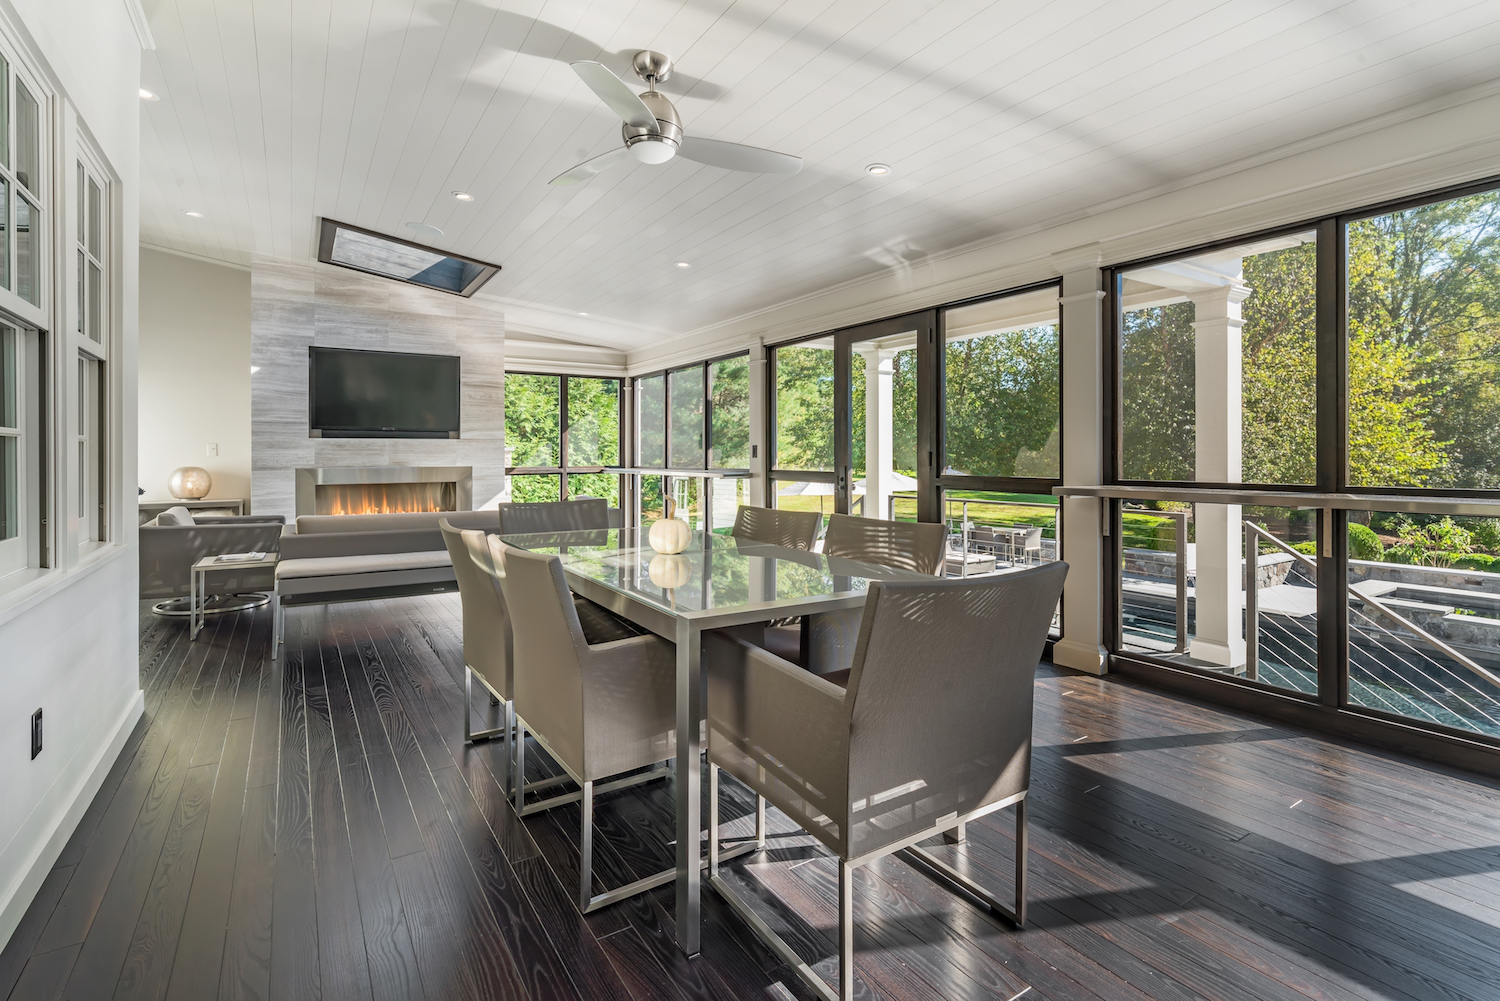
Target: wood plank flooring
(316, 828)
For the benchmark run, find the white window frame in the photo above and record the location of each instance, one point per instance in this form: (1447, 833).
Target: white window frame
(28, 319)
(91, 331)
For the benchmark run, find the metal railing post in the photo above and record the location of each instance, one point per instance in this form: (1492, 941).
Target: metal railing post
(1180, 518)
(1252, 611)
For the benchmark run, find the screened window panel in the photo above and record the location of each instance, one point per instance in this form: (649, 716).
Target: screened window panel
(651, 420)
(533, 419)
(729, 413)
(804, 406)
(685, 399)
(593, 422)
(28, 251)
(1424, 346)
(535, 488)
(96, 227)
(1002, 371)
(1218, 366)
(28, 138)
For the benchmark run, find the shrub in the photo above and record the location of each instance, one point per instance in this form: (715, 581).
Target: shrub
(1476, 561)
(1364, 544)
(1308, 548)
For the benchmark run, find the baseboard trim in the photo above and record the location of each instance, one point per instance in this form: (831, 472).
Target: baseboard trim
(24, 887)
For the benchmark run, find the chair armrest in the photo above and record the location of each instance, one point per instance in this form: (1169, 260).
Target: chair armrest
(629, 704)
(780, 729)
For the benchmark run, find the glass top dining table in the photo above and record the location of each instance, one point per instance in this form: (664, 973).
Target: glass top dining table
(716, 581)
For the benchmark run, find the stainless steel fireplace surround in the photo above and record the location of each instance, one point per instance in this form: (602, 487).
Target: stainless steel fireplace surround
(308, 482)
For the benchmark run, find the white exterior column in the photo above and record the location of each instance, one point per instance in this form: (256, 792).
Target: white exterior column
(880, 436)
(1219, 636)
(759, 488)
(1081, 533)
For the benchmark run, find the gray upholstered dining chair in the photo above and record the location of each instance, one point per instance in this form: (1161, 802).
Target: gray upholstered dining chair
(554, 516)
(487, 636)
(775, 527)
(932, 731)
(486, 627)
(599, 709)
(904, 545)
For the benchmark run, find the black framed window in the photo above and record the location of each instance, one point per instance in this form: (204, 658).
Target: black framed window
(694, 417)
(1353, 359)
(560, 431)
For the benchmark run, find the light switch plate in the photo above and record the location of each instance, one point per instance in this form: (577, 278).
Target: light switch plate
(213, 449)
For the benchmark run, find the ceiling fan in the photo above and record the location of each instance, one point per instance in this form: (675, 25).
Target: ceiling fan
(653, 130)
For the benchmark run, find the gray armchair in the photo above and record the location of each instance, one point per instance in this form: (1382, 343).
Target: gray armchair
(932, 731)
(168, 551)
(598, 708)
(792, 529)
(905, 545)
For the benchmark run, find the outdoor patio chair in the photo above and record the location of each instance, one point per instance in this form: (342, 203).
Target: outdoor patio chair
(932, 732)
(598, 709)
(774, 527)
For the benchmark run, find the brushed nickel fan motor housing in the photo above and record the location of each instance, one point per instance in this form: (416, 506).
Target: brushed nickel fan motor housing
(653, 67)
(661, 145)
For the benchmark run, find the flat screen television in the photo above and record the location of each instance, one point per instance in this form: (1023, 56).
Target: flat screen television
(382, 394)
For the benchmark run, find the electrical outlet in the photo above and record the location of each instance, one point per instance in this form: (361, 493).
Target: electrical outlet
(213, 449)
(36, 734)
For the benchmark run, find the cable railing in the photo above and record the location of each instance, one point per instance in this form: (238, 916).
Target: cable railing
(1396, 665)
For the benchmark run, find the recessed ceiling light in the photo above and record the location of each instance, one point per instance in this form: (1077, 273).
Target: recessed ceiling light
(192, 215)
(463, 196)
(146, 95)
(582, 313)
(424, 229)
(683, 264)
(878, 169)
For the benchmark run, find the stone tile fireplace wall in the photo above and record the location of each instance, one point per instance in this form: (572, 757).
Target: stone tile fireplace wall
(294, 306)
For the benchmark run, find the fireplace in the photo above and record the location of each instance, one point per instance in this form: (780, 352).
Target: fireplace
(384, 489)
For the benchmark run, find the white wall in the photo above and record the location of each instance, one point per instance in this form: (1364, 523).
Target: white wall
(68, 635)
(194, 372)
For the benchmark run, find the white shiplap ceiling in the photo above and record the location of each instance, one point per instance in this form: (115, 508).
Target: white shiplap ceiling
(996, 117)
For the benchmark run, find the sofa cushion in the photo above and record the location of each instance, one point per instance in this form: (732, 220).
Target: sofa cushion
(175, 516)
(422, 521)
(337, 566)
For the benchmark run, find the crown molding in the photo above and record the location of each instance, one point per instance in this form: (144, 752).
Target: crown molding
(140, 24)
(194, 257)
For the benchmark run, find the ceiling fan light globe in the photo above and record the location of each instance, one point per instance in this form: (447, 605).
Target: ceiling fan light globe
(653, 149)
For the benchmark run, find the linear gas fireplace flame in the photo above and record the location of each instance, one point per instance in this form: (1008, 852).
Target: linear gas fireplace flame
(384, 489)
(385, 498)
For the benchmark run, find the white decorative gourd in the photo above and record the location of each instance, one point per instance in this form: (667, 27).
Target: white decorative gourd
(670, 535)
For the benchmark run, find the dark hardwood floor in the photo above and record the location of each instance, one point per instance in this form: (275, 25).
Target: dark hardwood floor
(318, 829)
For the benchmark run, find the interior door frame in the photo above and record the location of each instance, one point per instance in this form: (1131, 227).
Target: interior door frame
(924, 322)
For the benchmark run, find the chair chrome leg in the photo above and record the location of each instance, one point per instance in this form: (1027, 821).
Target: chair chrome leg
(846, 931)
(713, 820)
(470, 735)
(510, 742)
(760, 821)
(1022, 857)
(586, 850)
(518, 775)
(955, 835)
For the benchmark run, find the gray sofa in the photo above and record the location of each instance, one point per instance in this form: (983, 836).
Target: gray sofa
(355, 556)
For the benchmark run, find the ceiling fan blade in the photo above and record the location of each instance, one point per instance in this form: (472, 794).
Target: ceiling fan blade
(616, 93)
(589, 168)
(733, 156)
